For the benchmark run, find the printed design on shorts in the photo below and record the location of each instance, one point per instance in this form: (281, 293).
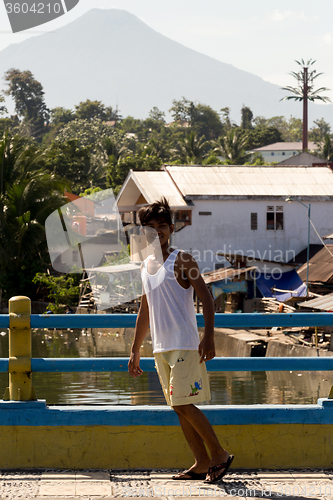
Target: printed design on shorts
(180, 359)
(197, 387)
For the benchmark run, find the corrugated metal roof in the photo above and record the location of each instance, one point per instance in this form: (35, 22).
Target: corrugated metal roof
(303, 159)
(229, 180)
(152, 185)
(324, 303)
(156, 184)
(286, 146)
(320, 266)
(223, 274)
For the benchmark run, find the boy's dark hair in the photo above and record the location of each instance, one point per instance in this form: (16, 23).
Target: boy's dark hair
(160, 210)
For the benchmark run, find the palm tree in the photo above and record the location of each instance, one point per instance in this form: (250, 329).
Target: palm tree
(29, 195)
(190, 150)
(157, 146)
(232, 146)
(305, 92)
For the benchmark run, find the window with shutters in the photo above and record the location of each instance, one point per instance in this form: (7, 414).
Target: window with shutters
(254, 221)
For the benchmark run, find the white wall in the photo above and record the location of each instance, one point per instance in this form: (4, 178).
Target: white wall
(278, 155)
(228, 229)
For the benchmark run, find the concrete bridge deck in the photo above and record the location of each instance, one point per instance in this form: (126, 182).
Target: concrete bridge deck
(101, 484)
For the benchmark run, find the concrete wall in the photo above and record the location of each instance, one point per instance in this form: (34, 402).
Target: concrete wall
(260, 436)
(228, 229)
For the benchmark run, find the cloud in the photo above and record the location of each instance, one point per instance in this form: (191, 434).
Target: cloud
(327, 39)
(278, 16)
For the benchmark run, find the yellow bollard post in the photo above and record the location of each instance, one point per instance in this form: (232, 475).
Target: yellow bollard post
(20, 382)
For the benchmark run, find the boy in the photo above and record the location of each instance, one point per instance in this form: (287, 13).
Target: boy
(168, 278)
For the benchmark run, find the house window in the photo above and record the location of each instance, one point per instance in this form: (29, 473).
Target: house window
(254, 221)
(274, 217)
(205, 213)
(183, 218)
(219, 265)
(272, 153)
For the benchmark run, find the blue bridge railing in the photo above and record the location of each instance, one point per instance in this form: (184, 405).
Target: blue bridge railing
(254, 320)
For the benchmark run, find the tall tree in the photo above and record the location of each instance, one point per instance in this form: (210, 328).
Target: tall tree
(326, 148)
(247, 117)
(28, 196)
(89, 110)
(319, 131)
(305, 92)
(28, 95)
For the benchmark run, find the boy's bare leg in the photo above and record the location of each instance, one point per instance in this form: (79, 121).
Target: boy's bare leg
(203, 428)
(197, 445)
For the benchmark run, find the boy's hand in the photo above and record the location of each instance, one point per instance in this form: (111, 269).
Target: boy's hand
(207, 349)
(134, 365)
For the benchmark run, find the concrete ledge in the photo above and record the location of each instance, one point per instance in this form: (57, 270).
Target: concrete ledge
(35, 414)
(33, 435)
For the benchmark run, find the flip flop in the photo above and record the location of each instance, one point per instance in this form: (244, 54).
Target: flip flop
(194, 476)
(224, 467)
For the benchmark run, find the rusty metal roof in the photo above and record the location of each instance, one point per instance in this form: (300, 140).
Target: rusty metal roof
(234, 180)
(324, 303)
(224, 274)
(320, 266)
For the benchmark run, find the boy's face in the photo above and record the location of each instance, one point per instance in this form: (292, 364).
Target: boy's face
(158, 230)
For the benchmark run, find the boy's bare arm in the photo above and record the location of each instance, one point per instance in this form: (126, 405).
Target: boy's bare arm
(192, 272)
(141, 328)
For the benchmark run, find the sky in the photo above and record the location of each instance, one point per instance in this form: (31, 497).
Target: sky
(262, 37)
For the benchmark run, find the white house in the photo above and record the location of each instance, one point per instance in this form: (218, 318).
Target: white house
(236, 209)
(280, 151)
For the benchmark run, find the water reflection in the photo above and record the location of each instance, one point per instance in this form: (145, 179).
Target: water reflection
(120, 388)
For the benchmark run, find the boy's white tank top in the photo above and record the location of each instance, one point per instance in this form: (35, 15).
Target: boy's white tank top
(172, 316)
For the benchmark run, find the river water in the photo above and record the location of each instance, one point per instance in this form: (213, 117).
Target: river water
(119, 388)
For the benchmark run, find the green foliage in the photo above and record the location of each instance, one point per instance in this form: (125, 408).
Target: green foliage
(319, 132)
(90, 191)
(28, 196)
(118, 172)
(261, 136)
(290, 130)
(190, 150)
(28, 95)
(182, 110)
(247, 117)
(63, 290)
(3, 109)
(326, 148)
(69, 161)
(212, 159)
(232, 146)
(90, 110)
(61, 116)
(257, 159)
(202, 119)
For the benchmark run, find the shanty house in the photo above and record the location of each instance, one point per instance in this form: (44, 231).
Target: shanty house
(236, 209)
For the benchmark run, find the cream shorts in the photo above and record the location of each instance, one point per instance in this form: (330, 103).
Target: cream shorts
(184, 380)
